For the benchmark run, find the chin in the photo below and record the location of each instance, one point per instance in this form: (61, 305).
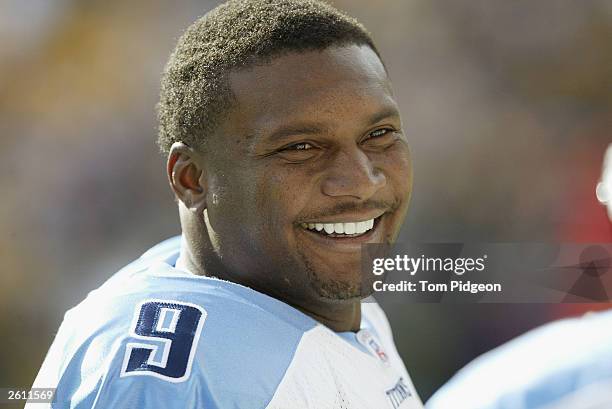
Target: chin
(333, 283)
(338, 290)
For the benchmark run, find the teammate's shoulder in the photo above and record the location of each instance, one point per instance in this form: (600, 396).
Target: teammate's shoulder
(545, 364)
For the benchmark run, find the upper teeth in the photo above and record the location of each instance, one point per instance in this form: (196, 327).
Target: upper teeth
(341, 228)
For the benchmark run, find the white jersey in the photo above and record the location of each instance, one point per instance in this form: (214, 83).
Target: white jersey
(562, 365)
(154, 336)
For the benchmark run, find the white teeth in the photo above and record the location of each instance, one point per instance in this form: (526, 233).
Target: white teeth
(341, 228)
(361, 227)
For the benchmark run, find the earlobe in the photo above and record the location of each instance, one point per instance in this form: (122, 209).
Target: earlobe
(187, 177)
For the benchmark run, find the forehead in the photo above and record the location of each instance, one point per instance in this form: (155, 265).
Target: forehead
(325, 84)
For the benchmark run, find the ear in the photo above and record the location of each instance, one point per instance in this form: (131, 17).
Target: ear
(187, 177)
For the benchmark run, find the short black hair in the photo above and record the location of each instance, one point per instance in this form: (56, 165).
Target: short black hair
(195, 91)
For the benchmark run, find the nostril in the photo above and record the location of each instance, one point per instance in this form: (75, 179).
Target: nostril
(357, 179)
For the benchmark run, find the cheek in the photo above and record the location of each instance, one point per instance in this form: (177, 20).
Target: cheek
(281, 195)
(397, 165)
(231, 206)
(276, 198)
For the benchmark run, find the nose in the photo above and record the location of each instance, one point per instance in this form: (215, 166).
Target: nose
(352, 174)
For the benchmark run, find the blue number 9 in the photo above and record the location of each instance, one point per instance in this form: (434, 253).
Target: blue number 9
(167, 332)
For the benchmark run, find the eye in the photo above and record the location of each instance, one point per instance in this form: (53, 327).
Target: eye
(302, 146)
(381, 138)
(299, 152)
(380, 132)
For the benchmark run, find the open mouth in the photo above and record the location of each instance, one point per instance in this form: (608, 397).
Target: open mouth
(343, 229)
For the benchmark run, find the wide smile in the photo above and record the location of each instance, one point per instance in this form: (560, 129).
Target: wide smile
(344, 236)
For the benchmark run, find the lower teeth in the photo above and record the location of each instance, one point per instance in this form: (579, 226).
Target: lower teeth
(345, 235)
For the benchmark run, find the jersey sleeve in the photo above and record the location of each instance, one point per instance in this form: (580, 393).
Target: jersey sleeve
(143, 362)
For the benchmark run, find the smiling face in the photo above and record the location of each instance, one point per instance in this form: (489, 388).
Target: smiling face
(309, 164)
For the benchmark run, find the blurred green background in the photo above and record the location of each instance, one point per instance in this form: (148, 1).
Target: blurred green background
(507, 106)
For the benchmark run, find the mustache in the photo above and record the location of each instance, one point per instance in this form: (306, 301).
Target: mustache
(341, 208)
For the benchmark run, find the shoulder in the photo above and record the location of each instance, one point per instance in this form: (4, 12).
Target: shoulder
(179, 337)
(546, 365)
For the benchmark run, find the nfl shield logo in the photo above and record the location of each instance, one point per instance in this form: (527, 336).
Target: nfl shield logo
(366, 339)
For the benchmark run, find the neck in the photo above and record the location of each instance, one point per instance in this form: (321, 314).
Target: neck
(340, 317)
(344, 319)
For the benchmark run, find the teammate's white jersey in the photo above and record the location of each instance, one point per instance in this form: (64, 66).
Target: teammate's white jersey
(154, 336)
(563, 365)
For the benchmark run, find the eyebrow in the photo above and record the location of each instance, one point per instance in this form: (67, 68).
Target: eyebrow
(387, 112)
(312, 128)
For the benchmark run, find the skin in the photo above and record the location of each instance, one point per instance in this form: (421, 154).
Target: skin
(311, 136)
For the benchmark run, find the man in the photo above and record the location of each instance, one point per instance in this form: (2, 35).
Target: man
(286, 155)
(563, 365)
